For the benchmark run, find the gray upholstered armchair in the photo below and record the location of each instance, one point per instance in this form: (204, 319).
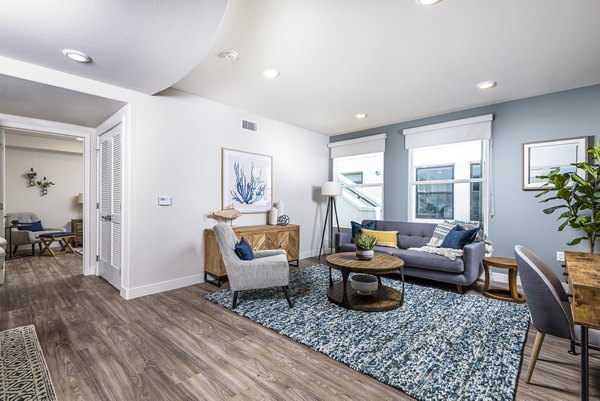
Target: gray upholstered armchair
(269, 268)
(24, 237)
(548, 304)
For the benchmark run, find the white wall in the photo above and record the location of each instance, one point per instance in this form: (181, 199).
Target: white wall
(61, 162)
(175, 144)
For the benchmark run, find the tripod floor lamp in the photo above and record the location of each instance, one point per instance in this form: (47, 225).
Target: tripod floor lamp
(330, 189)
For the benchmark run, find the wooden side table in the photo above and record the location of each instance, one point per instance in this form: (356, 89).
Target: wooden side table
(511, 295)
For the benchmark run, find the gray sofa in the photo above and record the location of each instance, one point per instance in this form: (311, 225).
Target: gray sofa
(461, 271)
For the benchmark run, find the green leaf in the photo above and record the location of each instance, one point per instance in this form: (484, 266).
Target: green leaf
(563, 225)
(551, 210)
(576, 241)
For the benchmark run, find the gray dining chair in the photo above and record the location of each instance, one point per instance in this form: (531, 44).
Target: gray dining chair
(548, 304)
(269, 268)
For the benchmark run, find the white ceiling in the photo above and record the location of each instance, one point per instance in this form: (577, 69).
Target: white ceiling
(393, 59)
(34, 100)
(145, 45)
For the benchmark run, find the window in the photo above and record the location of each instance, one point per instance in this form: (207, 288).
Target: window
(362, 182)
(447, 182)
(435, 201)
(356, 177)
(475, 193)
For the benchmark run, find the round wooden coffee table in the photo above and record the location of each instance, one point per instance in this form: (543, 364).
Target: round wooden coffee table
(384, 298)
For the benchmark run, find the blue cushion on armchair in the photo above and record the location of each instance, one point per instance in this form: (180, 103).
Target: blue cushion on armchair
(243, 250)
(34, 226)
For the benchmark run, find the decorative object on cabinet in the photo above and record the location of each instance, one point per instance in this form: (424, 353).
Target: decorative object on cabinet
(280, 208)
(77, 229)
(259, 237)
(31, 176)
(272, 217)
(227, 214)
(246, 181)
(330, 189)
(283, 220)
(538, 159)
(44, 184)
(79, 200)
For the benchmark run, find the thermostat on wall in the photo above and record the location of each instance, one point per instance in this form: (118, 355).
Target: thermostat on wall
(165, 201)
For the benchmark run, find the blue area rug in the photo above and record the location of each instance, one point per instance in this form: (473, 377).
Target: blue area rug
(438, 346)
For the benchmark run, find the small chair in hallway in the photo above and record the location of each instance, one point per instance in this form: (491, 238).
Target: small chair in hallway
(269, 268)
(548, 304)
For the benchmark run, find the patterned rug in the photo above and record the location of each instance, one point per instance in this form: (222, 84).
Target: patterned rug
(23, 371)
(438, 346)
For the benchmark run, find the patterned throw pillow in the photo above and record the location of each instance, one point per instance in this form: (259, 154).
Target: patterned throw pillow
(384, 238)
(439, 234)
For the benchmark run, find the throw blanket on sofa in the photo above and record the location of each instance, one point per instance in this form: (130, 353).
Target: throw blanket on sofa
(449, 253)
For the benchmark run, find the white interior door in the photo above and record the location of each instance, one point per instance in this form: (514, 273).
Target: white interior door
(109, 207)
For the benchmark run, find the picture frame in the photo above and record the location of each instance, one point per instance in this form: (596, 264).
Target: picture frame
(538, 158)
(246, 181)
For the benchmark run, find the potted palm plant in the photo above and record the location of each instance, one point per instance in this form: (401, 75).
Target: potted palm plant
(364, 246)
(579, 199)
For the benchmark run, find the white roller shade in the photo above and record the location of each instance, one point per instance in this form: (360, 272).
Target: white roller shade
(468, 129)
(358, 146)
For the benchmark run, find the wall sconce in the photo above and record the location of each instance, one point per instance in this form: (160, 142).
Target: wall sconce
(31, 175)
(44, 184)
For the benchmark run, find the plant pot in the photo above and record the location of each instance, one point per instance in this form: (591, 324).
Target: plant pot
(364, 284)
(364, 255)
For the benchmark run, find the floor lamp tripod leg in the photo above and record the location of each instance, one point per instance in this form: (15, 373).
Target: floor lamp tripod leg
(324, 229)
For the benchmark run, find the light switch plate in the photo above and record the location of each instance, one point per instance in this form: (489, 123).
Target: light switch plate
(165, 200)
(560, 256)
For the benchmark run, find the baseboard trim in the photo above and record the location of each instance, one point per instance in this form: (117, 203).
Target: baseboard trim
(143, 290)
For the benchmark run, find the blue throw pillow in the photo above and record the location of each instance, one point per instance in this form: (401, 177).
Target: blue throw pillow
(357, 227)
(458, 237)
(34, 226)
(243, 250)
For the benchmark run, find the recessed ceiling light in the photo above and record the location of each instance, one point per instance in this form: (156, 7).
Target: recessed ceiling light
(78, 56)
(78, 138)
(427, 2)
(230, 55)
(360, 116)
(486, 84)
(270, 73)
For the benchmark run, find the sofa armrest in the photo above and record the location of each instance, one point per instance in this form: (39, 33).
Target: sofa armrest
(344, 237)
(473, 254)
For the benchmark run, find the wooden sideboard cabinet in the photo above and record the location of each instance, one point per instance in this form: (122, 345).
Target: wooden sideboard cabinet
(259, 238)
(77, 229)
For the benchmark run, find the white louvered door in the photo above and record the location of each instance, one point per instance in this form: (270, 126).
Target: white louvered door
(109, 213)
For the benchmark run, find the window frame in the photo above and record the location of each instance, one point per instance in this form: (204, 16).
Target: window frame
(484, 182)
(445, 165)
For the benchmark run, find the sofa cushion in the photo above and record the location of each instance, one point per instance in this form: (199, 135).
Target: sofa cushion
(424, 260)
(410, 234)
(458, 237)
(357, 227)
(384, 238)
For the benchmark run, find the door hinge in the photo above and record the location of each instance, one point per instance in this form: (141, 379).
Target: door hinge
(97, 258)
(97, 205)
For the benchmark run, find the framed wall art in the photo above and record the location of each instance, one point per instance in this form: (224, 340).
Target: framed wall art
(539, 158)
(246, 181)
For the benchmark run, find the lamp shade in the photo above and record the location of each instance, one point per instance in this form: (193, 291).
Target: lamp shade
(80, 198)
(331, 188)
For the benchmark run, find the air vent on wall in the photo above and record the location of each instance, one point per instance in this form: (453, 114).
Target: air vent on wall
(249, 125)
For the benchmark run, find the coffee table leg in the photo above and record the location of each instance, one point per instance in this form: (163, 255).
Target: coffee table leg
(330, 279)
(378, 281)
(345, 275)
(402, 276)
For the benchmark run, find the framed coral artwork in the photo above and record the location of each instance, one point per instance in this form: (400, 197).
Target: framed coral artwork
(246, 181)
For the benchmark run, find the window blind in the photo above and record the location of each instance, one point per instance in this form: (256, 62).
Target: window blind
(467, 129)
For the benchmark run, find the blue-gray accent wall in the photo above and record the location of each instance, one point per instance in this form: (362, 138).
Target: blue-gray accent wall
(518, 215)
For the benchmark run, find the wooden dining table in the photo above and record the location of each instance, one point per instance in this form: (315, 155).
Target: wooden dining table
(584, 282)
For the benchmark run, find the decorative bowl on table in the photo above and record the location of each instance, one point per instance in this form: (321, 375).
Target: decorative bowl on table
(364, 284)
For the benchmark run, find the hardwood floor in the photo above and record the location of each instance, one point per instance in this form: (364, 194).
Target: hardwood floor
(177, 346)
